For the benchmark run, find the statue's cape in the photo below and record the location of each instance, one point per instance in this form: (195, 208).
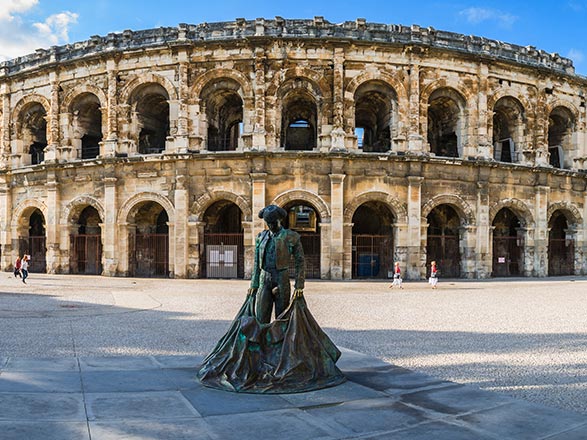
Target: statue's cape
(289, 355)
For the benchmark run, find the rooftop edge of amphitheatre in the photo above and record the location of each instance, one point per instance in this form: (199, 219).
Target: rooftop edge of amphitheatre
(358, 30)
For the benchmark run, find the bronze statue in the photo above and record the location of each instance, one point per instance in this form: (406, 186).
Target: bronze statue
(292, 353)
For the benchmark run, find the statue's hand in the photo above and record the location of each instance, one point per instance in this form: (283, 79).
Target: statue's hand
(251, 291)
(298, 293)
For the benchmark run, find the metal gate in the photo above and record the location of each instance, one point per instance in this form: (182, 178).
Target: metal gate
(561, 256)
(224, 255)
(35, 246)
(311, 244)
(444, 249)
(372, 256)
(149, 255)
(506, 257)
(85, 256)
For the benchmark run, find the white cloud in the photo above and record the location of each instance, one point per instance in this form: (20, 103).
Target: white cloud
(576, 55)
(19, 37)
(9, 7)
(477, 15)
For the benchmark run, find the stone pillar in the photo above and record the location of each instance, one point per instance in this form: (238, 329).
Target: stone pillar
(111, 252)
(415, 138)
(336, 228)
(52, 200)
(181, 131)
(484, 237)
(416, 260)
(5, 140)
(467, 246)
(109, 145)
(484, 138)
(337, 141)
(541, 231)
(197, 237)
(530, 251)
(53, 122)
(259, 132)
(7, 255)
(258, 201)
(348, 251)
(181, 239)
(249, 254)
(541, 154)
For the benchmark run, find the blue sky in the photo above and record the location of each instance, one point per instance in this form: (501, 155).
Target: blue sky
(554, 26)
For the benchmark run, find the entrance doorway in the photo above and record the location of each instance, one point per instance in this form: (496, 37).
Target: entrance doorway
(443, 241)
(507, 245)
(35, 243)
(304, 219)
(149, 244)
(86, 244)
(561, 250)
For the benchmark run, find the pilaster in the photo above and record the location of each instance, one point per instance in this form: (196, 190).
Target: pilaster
(416, 257)
(53, 256)
(336, 228)
(110, 245)
(109, 147)
(542, 194)
(181, 200)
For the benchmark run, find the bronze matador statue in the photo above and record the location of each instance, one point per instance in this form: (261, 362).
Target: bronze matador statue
(274, 248)
(289, 355)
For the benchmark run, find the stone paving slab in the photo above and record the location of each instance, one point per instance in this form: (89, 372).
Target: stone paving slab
(158, 397)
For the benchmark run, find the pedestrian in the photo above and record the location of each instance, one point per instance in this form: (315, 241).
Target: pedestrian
(24, 268)
(433, 280)
(397, 276)
(17, 266)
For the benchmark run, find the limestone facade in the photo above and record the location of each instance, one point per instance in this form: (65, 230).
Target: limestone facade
(431, 144)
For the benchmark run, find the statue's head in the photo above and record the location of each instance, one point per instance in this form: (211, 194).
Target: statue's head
(273, 215)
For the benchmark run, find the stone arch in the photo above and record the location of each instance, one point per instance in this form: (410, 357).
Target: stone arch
(314, 199)
(518, 207)
(462, 208)
(282, 84)
(558, 102)
(492, 100)
(25, 207)
(30, 99)
(71, 96)
(385, 77)
(570, 211)
(462, 93)
(148, 78)
(203, 202)
(397, 208)
(200, 83)
(132, 203)
(77, 205)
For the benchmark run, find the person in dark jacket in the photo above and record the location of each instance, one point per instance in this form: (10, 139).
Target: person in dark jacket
(274, 248)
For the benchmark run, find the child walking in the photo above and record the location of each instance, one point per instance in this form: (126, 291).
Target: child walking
(17, 266)
(433, 280)
(397, 276)
(25, 267)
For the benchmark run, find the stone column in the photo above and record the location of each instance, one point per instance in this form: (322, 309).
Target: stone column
(337, 141)
(484, 138)
(5, 140)
(541, 231)
(467, 246)
(181, 239)
(259, 131)
(336, 228)
(53, 121)
(52, 200)
(400, 245)
(109, 145)
(416, 258)
(181, 131)
(415, 138)
(542, 155)
(258, 201)
(483, 255)
(348, 251)
(111, 251)
(7, 254)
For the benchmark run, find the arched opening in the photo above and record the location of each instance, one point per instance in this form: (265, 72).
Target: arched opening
(224, 114)
(374, 117)
(304, 219)
(86, 244)
(87, 125)
(32, 241)
(223, 241)
(561, 127)
(372, 242)
(508, 129)
(149, 241)
(151, 105)
(445, 123)
(443, 241)
(299, 121)
(508, 240)
(561, 246)
(33, 122)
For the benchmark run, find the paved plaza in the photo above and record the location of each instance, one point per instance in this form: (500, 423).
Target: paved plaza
(110, 358)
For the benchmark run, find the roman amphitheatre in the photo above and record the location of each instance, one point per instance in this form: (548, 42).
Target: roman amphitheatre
(149, 153)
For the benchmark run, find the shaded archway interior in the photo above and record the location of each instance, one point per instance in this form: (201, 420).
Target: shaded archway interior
(508, 241)
(303, 218)
(443, 241)
(149, 240)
